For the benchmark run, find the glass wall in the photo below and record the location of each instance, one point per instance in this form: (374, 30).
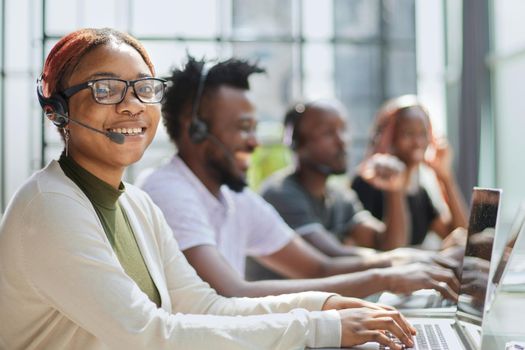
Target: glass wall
(507, 64)
(359, 51)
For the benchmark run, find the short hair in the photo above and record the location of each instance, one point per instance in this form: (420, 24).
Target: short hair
(293, 118)
(184, 83)
(69, 51)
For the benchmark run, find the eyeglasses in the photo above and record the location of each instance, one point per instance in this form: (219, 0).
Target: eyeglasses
(111, 91)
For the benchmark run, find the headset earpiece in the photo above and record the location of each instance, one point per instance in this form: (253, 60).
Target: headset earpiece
(55, 107)
(292, 120)
(198, 129)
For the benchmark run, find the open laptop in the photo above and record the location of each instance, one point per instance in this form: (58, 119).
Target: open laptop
(517, 226)
(463, 329)
(430, 301)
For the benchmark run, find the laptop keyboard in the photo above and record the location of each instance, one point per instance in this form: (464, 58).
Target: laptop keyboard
(429, 337)
(392, 337)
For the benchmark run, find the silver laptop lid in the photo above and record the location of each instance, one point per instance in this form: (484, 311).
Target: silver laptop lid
(484, 212)
(515, 229)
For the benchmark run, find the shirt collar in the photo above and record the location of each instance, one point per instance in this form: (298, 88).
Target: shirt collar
(95, 189)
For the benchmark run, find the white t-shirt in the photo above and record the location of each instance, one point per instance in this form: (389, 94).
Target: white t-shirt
(239, 224)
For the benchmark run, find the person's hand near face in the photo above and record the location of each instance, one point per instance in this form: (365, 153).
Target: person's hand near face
(440, 158)
(383, 171)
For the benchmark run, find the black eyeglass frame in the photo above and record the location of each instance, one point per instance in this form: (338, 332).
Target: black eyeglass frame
(67, 93)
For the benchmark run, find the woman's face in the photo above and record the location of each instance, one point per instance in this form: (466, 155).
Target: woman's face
(411, 137)
(95, 151)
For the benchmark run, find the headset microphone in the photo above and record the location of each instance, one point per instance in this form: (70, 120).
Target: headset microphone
(226, 150)
(113, 136)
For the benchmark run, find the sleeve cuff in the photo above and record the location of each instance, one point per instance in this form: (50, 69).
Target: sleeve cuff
(324, 330)
(313, 301)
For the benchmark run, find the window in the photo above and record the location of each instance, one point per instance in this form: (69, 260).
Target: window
(359, 51)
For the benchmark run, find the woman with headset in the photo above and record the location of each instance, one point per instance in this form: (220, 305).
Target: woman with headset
(88, 262)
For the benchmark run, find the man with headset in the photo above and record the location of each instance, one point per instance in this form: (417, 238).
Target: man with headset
(218, 222)
(317, 134)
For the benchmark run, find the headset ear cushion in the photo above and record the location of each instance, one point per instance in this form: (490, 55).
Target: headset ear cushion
(198, 131)
(55, 107)
(59, 104)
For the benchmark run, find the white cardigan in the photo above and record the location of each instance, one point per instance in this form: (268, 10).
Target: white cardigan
(62, 286)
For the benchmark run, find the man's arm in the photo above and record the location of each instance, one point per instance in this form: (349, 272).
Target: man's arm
(299, 260)
(215, 270)
(326, 242)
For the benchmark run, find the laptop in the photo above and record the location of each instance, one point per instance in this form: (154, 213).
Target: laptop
(430, 301)
(463, 329)
(500, 270)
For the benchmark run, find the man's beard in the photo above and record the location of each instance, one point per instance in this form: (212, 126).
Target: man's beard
(327, 169)
(339, 171)
(223, 168)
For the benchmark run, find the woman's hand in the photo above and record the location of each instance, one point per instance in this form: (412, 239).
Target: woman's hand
(440, 159)
(362, 325)
(364, 321)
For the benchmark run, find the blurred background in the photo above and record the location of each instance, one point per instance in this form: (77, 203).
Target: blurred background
(465, 59)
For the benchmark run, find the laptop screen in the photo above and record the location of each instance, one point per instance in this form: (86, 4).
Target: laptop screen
(515, 228)
(484, 211)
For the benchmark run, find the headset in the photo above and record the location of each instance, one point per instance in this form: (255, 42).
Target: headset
(55, 107)
(291, 123)
(198, 129)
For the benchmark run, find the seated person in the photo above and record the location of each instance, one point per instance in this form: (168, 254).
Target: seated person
(218, 222)
(312, 206)
(88, 262)
(403, 129)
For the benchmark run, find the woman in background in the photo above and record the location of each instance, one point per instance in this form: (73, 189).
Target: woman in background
(89, 262)
(402, 129)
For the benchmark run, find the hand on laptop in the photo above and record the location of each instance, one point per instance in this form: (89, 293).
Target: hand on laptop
(409, 278)
(407, 255)
(372, 318)
(361, 325)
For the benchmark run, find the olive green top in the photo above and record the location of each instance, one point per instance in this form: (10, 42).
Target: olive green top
(115, 222)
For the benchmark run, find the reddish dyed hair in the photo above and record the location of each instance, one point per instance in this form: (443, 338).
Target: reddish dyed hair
(69, 51)
(387, 118)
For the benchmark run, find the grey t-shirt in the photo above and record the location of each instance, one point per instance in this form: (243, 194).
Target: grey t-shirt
(337, 213)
